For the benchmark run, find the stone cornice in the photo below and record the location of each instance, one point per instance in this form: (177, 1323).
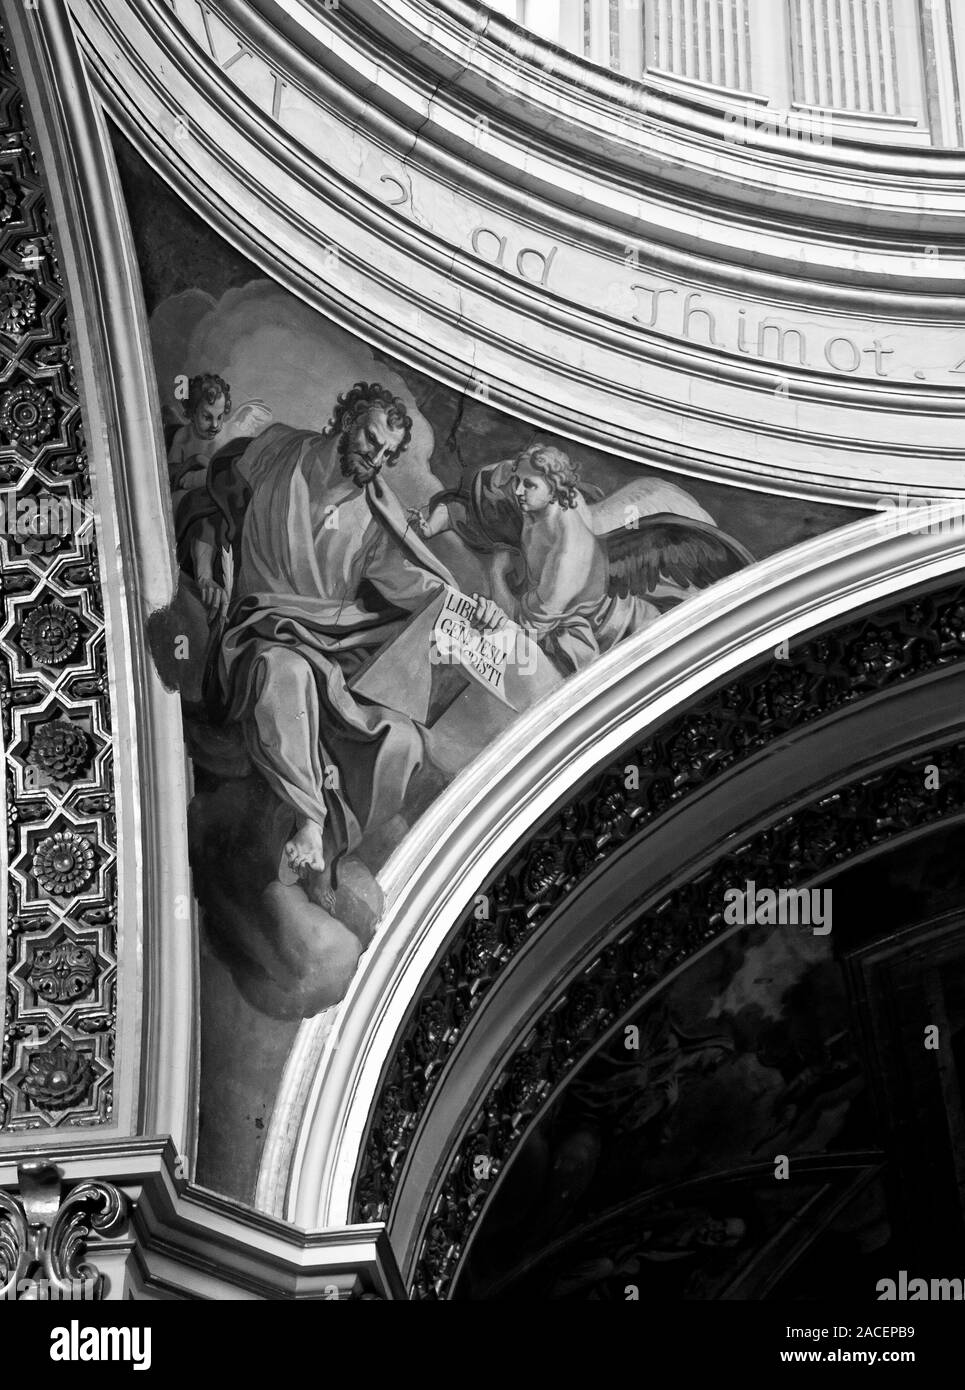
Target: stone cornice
(185, 1242)
(672, 132)
(668, 349)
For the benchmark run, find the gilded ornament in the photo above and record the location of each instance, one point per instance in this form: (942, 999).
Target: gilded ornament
(27, 415)
(63, 863)
(60, 749)
(49, 634)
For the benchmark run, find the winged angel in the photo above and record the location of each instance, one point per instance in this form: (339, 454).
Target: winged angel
(576, 571)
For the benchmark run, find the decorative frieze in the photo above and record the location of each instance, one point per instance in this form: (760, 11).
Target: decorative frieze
(58, 1013)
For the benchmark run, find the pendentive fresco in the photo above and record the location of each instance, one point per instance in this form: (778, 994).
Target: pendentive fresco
(377, 576)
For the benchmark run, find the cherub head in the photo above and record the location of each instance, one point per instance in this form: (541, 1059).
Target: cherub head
(373, 429)
(544, 476)
(208, 404)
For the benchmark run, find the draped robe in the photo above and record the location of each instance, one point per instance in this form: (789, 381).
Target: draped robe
(325, 572)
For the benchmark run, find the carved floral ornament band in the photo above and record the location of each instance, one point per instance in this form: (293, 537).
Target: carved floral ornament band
(59, 1006)
(832, 670)
(817, 839)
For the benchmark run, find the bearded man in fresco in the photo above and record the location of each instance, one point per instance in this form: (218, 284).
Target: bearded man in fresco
(326, 568)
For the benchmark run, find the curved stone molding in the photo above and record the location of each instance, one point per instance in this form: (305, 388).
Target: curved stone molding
(59, 861)
(814, 841)
(870, 655)
(717, 774)
(431, 885)
(149, 982)
(756, 347)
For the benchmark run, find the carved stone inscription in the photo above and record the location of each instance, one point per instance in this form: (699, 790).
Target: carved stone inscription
(794, 338)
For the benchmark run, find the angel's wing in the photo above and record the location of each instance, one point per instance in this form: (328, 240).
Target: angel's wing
(671, 550)
(250, 418)
(172, 414)
(644, 497)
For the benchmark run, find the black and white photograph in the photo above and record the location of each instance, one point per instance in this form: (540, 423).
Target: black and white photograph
(482, 671)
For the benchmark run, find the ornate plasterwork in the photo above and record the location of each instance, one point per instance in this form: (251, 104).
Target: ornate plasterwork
(150, 1234)
(834, 669)
(856, 819)
(60, 931)
(44, 1235)
(804, 847)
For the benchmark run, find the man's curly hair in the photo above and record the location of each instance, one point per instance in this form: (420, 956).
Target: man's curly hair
(556, 467)
(354, 404)
(205, 390)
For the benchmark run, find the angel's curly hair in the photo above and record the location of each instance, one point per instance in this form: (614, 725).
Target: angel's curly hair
(556, 467)
(205, 389)
(354, 404)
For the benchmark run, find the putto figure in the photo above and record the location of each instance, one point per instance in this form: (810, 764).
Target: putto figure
(580, 576)
(207, 429)
(207, 406)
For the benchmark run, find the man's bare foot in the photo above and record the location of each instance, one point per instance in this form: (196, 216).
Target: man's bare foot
(304, 850)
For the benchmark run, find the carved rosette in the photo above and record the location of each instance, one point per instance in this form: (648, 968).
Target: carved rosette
(63, 863)
(18, 305)
(57, 1046)
(58, 1076)
(34, 533)
(50, 634)
(27, 415)
(9, 198)
(60, 749)
(63, 973)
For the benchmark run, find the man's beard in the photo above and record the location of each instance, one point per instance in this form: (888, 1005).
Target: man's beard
(355, 466)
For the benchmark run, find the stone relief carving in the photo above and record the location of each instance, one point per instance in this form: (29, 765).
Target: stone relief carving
(44, 1235)
(59, 1012)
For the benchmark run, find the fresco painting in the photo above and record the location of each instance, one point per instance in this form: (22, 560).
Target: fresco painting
(376, 575)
